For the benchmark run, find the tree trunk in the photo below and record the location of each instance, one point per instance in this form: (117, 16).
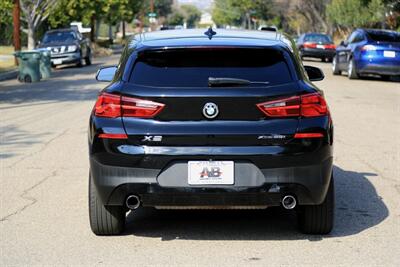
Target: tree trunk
(92, 28)
(110, 37)
(31, 37)
(123, 30)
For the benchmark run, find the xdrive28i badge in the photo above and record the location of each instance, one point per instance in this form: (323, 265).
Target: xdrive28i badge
(210, 110)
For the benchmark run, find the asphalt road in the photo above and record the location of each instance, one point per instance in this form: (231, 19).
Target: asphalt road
(43, 186)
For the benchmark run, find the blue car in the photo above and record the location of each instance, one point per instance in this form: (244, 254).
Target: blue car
(368, 51)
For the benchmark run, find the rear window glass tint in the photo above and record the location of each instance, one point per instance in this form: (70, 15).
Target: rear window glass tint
(193, 67)
(317, 38)
(384, 36)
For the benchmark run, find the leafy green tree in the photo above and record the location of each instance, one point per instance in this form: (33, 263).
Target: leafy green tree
(6, 7)
(236, 12)
(350, 14)
(90, 11)
(176, 18)
(223, 13)
(191, 14)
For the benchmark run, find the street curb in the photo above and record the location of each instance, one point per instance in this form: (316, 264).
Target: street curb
(8, 75)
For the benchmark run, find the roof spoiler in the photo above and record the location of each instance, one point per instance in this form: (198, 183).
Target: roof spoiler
(269, 28)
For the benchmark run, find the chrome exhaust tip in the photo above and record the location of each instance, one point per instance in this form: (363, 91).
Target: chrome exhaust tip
(289, 202)
(132, 202)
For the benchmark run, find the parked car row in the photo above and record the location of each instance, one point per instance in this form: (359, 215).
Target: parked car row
(364, 52)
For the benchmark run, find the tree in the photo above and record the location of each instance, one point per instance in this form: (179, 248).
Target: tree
(236, 12)
(223, 13)
(176, 18)
(313, 13)
(350, 14)
(86, 11)
(35, 12)
(6, 7)
(191, 14)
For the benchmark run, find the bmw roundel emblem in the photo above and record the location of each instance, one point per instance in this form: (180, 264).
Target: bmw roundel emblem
(210, 110)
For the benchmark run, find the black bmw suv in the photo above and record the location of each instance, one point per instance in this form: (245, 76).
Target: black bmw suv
(210, 119)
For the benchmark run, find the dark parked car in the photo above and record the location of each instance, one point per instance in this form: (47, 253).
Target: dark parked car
(316, 45)
(67, 46)
(210, 120)
(369, 51)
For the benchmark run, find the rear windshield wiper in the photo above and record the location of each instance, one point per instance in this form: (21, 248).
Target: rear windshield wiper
(213, 82)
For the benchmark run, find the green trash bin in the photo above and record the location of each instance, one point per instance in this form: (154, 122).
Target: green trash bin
(45, 63)
(28, 65)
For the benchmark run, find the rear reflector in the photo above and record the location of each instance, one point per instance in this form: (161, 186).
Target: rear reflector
(309, 105)
(308, 135)
(114, 106)
(113, 136)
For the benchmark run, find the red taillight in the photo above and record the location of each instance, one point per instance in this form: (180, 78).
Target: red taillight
(368, 48)
(287, 107)
(113, 136)
(313, 105)
(310, 45)
(113, 106)
(330, 46)
(108, 106)
(308, 135)
(139, 108)
(309, 105)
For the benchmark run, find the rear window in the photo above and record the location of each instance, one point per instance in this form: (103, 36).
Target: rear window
(317, 38)
(193, 67)
(384, 36)
(58, 37)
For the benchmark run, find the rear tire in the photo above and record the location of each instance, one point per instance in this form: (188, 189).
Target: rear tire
(79, 63)
(104, 220)
(88, 58)
(318, 219)
(351, 70)
(335, 67)
(27, 79)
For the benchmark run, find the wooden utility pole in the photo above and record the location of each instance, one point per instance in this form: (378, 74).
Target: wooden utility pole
(16, 30)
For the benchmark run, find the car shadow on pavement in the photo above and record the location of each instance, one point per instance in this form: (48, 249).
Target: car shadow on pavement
(358, 207)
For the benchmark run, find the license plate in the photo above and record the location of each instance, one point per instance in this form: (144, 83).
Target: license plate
(320, 46)
(389, 54)
(210, 172)
(57, 61)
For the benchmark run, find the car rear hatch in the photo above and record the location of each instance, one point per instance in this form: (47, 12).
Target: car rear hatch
(384, 48)
(176, 85)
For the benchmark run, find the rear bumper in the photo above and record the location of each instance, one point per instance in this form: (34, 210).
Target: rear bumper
(318, 53)
(379, 69)
(253, 186)
(373, 62)
(65, 58)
